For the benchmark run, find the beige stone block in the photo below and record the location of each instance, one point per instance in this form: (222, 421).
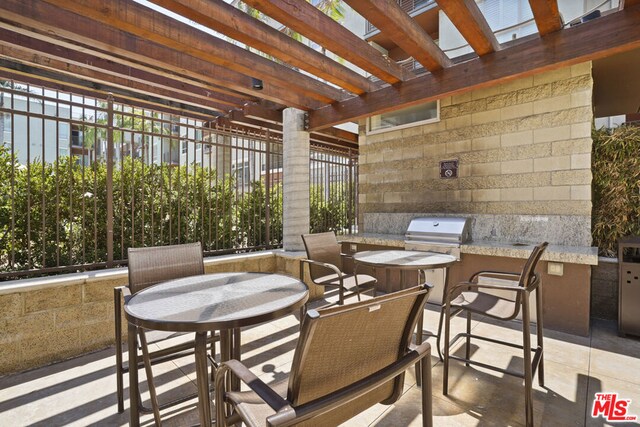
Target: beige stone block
(18, 328)
(582, 98)
(516, 84)
(515, 111)
(97, 312)
(516, 138)
(572, 146)
(96, 336)
(412, 152)
(51, 345)
(516, 194)
(412, 131)
(460, 98)
(392, 197)
(69, 317)
(458, 146)
(571, 177)
(435, 150)
(489, 195)
(485, 92)
(562, 192)
(458, 122)
(581, 161)
(485, 117)
(445, 102)
(517, 166)
(11, 356)
(552, 104)
(552, 76)
(485, 169)
(101, 290)
(546, 164)
(580, 69)
(549, 134)
(268, 265)
(11, 305)
(581, 130)
(46, 299)
(486, 143)
(580, 192)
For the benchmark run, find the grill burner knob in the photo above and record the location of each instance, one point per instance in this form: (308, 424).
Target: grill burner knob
(435, 224)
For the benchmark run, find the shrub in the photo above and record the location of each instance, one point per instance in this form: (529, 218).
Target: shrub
(616, 186)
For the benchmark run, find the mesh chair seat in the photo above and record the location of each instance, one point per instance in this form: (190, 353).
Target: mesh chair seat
(337, 371)
(252, 408)
(486, 304)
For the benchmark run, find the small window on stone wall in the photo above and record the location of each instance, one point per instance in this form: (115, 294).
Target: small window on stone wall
(412, 116)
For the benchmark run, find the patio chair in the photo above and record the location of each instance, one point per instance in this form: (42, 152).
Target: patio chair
(147, 267)
(338, 371)
(325, 261)
(468, 297)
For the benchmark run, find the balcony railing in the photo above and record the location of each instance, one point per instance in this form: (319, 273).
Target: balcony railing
(409, 6)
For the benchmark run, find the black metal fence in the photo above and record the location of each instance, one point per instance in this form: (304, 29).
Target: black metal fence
(83, 179)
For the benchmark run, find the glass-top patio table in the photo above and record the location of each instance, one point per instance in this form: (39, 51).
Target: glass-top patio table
(408, 261)
(222, 302)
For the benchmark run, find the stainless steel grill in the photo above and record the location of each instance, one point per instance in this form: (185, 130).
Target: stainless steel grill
(441, 235)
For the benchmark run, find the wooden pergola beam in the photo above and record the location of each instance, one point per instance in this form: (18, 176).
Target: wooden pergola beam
(46, 22)
(391, 20)
(52, 80)
(257, 112)
(228, 20)
(546, 15)
(309, 21)
(159, 28)
(560, 49)
(45, 55)
(468, 19)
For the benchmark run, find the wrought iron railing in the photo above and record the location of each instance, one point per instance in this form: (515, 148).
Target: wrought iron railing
(84, 179)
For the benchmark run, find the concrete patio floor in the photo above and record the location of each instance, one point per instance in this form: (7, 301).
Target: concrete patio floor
(81, 391)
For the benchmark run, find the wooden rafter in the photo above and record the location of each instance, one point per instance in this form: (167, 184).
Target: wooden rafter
(265, 115)
(562, 48)
(307, 20)
(228, 20)
(468, 19)
(547, 15)
(46, 55)
(46, 22)
(55, 81)
(390, 19)
(237, 117)
(159, 28)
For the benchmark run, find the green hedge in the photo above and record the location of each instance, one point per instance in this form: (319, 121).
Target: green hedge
(616, 186)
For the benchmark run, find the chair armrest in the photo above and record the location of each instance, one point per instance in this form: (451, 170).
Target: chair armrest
(347, 394)
(494, 274)
(473, 285)
(266, 393)
(322, 264)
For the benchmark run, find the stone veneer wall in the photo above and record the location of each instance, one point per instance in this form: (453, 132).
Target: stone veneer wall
(51, 319)
(524, 150)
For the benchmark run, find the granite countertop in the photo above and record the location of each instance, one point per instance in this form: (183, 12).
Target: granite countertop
(569, 254)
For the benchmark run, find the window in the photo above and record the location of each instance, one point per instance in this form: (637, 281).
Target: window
(406, 117)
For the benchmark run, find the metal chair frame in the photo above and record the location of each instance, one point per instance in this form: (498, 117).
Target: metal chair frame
(528, 281)
(122, 294)
(302, 406)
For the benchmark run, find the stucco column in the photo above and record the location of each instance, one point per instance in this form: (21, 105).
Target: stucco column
(295, 179)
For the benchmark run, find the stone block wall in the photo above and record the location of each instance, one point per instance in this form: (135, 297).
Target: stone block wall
(49, 319)
(524, 149)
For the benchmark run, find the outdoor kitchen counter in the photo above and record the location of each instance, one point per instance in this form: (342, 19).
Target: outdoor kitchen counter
(567, 254)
